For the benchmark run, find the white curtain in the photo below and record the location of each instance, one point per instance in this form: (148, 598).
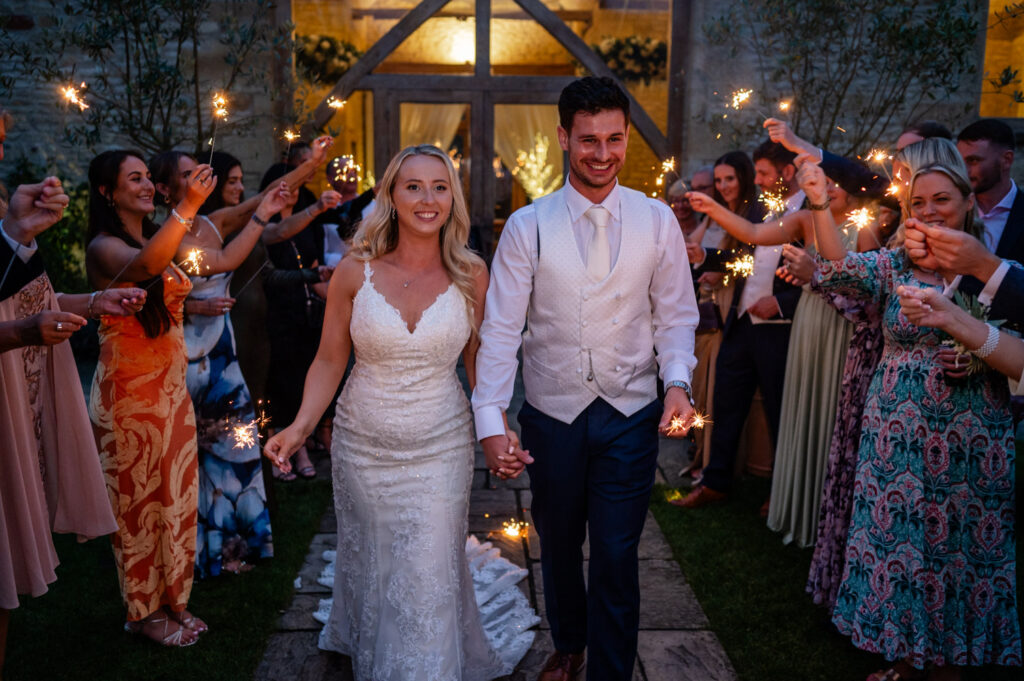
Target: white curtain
(431, 123)
(516, 130)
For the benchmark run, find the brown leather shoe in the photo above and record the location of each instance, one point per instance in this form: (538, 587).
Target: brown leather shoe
(701, 496)
(563, 667)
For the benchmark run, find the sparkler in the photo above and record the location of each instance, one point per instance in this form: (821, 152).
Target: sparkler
(250, 279)
(193, 262)
(673, 495)
(667, 166)
(861, 218)
(73, 96)
(741, 267)
(514, 528)
(775, 202)
(785, 105)
(245, 435)
(878, 156)
(290, 136)
(336, 103)
(741, 97)
(678, 423)
(220, 111)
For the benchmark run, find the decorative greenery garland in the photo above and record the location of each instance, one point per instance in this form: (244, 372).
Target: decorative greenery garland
(634, 58)
(323, 59)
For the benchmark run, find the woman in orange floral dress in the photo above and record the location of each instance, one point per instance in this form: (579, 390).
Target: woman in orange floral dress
(140, 408)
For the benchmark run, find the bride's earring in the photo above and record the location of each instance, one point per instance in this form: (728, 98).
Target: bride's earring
(394, 214)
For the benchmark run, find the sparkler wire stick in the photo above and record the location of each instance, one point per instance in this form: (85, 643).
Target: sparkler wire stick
(250, 279)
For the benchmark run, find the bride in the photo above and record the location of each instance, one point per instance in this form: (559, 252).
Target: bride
(408, 300)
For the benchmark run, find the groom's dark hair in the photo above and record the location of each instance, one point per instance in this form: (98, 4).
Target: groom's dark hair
(590, 95)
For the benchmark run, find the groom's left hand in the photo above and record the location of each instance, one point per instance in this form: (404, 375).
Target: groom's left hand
(677, 405)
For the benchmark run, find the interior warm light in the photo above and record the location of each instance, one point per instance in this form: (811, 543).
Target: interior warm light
(463, 49)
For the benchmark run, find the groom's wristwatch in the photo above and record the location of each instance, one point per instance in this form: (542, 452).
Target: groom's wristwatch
(681, 384)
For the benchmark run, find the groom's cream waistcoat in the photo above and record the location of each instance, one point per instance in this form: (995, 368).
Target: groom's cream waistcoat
(588, 339)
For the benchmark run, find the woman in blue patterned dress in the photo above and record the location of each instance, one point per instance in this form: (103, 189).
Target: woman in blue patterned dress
(930, 572)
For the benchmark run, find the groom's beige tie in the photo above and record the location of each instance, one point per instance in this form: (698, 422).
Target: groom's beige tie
(599, 255)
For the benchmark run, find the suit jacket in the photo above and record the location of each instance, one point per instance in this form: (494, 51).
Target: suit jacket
(1011, 243)
(850, 174)
(785, 293)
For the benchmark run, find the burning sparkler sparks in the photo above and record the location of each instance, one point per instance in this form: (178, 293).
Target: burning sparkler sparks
(673, 495)
(741, 267)
(514, 528)
(741, 97)
(785, 105)
(220, 111)
(775, 202)
(861, 218)
(245, 435)
(667, 166)
(193, 262)
(678, 423)
(73, 96)
(879, 156)
(336, 103)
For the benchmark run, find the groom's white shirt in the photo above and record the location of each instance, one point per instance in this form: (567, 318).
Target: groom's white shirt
(673, 307)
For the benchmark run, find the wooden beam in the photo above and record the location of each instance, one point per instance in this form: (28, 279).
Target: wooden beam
(412, 20)
(678, 70)
(482, 54)
(581, 15)
(444, 84)
(647, 128)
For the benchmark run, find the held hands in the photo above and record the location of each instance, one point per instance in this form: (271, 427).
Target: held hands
(121, 302)
(504, 455)
(695, 253)
(811, 178)
(281, 446)
(918, 246)
(325, 272)
(200, 185)
(678, 410)
(50, 327)
(34, 208)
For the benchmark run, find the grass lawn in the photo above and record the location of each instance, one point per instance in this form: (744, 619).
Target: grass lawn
(751, 587)
(75, 631)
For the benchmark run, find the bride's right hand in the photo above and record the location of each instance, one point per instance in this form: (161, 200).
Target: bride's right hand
(280, 447)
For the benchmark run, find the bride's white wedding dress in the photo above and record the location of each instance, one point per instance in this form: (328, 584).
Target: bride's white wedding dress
(404, 604)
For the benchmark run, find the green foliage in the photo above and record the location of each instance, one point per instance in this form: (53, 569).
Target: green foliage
(145, 79)
(854, 69)
(634, 59)
(63, 245)
(323, 59)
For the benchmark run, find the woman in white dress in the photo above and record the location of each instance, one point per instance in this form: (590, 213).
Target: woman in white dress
(408, 299)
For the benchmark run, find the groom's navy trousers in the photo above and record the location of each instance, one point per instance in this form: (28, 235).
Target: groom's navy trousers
(596, 472)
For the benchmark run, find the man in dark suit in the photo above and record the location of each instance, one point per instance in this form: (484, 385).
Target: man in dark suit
(755, 337)
(987, 146)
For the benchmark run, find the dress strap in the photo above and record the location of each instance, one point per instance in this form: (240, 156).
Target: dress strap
(367, 272)
(215, 230)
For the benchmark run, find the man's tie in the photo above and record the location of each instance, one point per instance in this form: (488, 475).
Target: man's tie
(599, 255)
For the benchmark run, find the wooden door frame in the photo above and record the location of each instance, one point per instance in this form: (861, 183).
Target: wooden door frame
(483, 90)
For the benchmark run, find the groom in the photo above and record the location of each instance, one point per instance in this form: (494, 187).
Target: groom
(598, 273)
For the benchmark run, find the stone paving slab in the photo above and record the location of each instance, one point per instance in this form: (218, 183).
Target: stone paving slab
(675, 641)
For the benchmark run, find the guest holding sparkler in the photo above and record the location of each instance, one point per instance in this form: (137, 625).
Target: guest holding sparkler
(756, 329)
(934, 490)
(816, 356)
(51, 479)
(233, 522)
(295, 313)
(141, 412)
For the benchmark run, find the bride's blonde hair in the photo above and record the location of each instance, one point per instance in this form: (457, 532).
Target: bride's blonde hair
(378, 233)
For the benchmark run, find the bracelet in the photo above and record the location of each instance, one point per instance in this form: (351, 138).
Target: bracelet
(820, 206)
(989, 346)
(185, 221)
(259, 221)
(92, 299)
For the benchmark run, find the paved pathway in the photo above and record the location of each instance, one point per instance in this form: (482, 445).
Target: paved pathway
(675, 644)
